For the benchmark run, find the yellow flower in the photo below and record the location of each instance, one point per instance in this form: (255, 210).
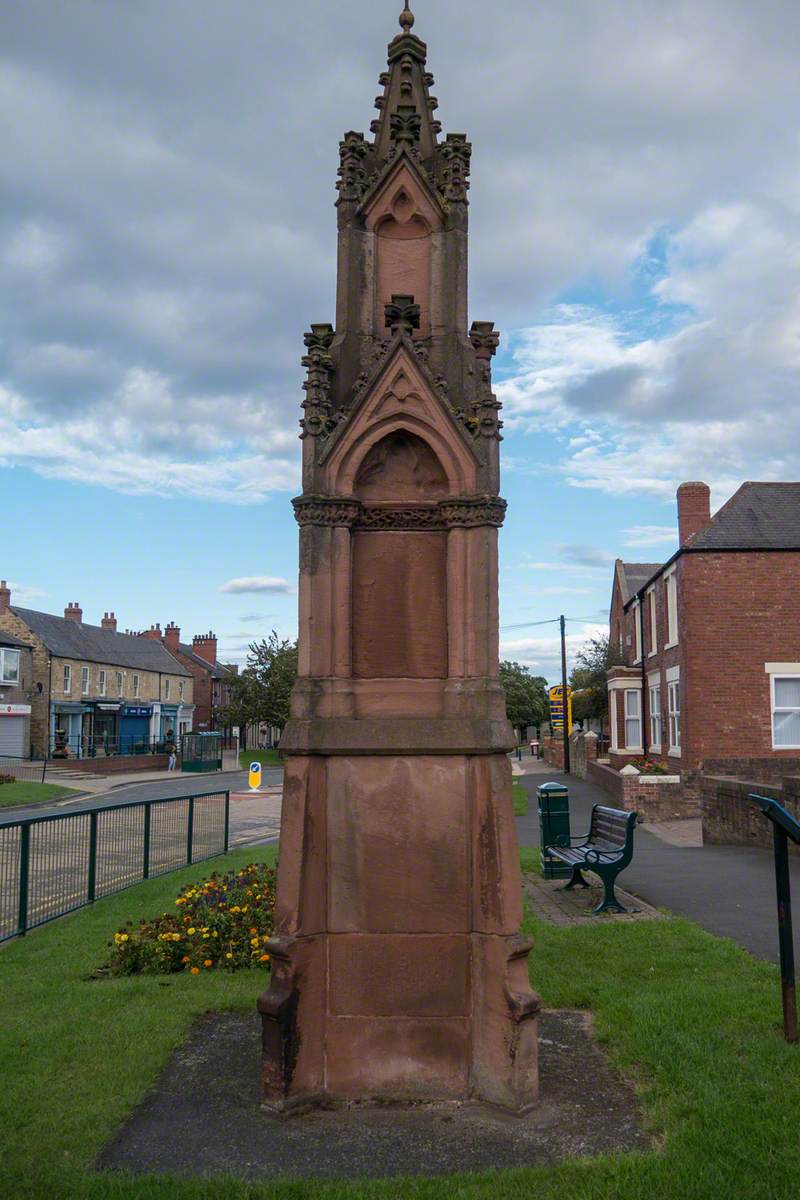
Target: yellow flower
(176, 937)
(191, 930)
(253, 941)
(229, 955)
(123, 937)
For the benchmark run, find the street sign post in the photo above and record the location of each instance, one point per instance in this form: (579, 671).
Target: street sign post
(784, 826)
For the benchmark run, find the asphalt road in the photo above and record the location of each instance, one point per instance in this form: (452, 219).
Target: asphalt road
(729, 890)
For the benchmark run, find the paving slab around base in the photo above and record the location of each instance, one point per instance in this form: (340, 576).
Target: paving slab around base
(549, 900)
(204, 1117)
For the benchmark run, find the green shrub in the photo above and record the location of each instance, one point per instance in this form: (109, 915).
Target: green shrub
(221, 922)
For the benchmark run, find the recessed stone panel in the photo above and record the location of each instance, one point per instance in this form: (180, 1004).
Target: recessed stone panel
(388, 975)
(397, 845)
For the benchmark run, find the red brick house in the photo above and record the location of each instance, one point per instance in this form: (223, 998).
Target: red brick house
(712, 639)
(211, 691)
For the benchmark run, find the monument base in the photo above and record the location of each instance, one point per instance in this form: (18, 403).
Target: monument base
(397, 971)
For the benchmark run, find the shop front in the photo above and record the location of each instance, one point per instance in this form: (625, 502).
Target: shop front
(134, 728)
(169, 721)
(15, 722)
(105, 734)
(67, 729)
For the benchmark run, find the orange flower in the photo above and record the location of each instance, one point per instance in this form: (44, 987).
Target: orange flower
(185, 958)
(208, 963)
(264, 958)
(195, 971)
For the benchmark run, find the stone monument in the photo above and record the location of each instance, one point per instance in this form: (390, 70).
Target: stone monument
(398, 969)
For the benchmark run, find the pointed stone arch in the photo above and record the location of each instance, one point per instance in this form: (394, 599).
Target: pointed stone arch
(402, 400)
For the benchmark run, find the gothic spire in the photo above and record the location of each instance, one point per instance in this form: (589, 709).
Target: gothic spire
(406, 106)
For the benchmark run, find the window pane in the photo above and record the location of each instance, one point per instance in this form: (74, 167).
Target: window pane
(787, 693)
(787, 728)
(11, 665)
(632, 704)
(632, 735)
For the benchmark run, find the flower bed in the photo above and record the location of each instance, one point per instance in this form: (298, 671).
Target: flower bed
(646, 766)
(219, 923)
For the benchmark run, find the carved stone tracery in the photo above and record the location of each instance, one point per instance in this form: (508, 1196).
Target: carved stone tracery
(446, 514)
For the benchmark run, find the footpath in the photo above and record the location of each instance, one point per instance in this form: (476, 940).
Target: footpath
(729, 890)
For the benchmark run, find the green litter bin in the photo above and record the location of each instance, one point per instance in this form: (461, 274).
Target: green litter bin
(553, 822)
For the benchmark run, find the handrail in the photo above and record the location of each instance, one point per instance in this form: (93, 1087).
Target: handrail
(75, 812)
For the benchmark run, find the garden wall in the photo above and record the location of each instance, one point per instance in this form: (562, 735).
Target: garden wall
(124, 763)
(728, 817)
(654, 797)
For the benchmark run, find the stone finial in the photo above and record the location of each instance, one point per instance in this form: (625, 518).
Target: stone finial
(402, 314)
(485, 339)
(406, 19)
(630, 769)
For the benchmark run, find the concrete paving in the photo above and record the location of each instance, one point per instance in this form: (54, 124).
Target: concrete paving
(729, 890)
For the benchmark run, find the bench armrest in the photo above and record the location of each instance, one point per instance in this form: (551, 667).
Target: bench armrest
(563, 839)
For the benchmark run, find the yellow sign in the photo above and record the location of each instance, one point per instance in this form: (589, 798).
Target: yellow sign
(556, 696)
(255, 775)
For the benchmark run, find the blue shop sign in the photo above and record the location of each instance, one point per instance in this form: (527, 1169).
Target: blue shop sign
(131, 710)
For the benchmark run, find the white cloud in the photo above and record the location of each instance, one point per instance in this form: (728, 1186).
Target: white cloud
(650, 535)
(21, 593)
(542, 653)
(254, 584)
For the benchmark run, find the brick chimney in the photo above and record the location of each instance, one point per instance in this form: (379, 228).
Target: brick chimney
(205, 645)
(153, 633)
(73, 612)
(172, 636)
(694, 510)
(109, 622)
(5, 597)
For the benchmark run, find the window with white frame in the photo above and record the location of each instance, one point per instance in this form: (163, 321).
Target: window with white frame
(651, 595)
(671, 585)
(674, 714)
(655, 716)
(166, 689)
(84, 681)
(633, 719)
(136, 685)
(67, 679)
(637, 630)
(786, 712)
(9, 666)
(102, 684)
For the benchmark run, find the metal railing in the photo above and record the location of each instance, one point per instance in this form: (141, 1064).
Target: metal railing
(54, 864)
(23, 770)
(100, 746)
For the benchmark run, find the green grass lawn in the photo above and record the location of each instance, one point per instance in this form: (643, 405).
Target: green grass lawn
(520, 797)
(267, 758)
(690, 1018)
(12, 794)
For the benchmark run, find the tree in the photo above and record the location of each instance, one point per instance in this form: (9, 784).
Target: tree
(526, 696)
(260, 694)
(588, 679)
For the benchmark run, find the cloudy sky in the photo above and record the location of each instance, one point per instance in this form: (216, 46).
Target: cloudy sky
(167, 233)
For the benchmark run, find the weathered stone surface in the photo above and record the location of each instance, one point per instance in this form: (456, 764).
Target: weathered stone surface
(399, 973)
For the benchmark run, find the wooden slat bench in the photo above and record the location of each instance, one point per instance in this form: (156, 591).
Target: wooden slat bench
(606, 850)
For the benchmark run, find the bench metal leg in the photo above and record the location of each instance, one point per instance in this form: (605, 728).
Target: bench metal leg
(609, 903)
(577, 877)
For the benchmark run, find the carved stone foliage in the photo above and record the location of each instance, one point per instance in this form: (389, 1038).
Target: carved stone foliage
(319, 417)
(453, 168)
(352, 184)
(405, 124)
(402, 315)
(467, 513)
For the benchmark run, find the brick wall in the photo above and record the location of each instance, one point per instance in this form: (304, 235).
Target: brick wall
(654, 797)
(739, 611)
(124, 764)
(553, 751)
(582, 751)
(728, 818)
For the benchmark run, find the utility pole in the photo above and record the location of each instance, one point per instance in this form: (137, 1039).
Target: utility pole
(565, 694)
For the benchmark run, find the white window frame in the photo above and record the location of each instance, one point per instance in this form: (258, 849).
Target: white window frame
(136, 687)
(166, 689)
(674, 712)
(780, 671)
(637, 632)
(671, 595)
(633, 718)
(101, 689)
(612, 718)
(67, 680)
(651, 595)
(85, 681)
(7, 655)
(654, 710)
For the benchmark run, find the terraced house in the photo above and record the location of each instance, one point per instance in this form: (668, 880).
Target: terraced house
(16, 685)
(96, 691)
